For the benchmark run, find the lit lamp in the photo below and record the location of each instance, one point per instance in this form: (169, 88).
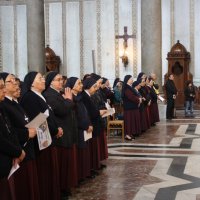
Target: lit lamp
(124, 58)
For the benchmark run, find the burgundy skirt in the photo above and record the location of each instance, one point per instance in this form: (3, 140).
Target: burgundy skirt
(103, 145)
(143, 119)
(94, 153)
(154, 113)
(67, 159)
(7, 189)
(48, 174)
(132, 124)
(83, 162)
(26, 181)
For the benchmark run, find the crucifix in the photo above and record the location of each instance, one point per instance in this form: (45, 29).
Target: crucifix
(125, 37)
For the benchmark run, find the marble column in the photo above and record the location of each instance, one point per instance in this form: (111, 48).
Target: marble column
(151, 37)
(36, 35)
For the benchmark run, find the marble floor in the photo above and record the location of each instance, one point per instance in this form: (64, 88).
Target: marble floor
(162, 164)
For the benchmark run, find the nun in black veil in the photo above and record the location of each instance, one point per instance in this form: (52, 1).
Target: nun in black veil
(63, 108)
(131, 103)
(34, 103)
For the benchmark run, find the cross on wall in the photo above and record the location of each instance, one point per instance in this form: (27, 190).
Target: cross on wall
(125, 37)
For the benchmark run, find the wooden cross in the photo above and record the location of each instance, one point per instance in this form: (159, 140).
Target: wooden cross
(125, 37)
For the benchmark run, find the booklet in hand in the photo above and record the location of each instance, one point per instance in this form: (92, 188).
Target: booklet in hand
(43, 134)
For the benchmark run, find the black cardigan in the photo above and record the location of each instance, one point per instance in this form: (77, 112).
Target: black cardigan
(33, 105)
(18, 120)
(64, 116)
(9, 146)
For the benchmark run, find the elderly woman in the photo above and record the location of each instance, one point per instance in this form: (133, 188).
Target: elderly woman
(26, 180)
(90, 87)
(34, 103)
(131, 103)
(63, 108)
(10, 150)
(83, 124)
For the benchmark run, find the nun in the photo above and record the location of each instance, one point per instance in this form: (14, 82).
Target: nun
(153, 108)
(90, 87)
(131, 103)
(26, 180)
(63, 108)
(84, 125)
(34, 103)
(10, 151)
(99, 101)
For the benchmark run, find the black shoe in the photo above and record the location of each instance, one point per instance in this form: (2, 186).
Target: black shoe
(103, 166)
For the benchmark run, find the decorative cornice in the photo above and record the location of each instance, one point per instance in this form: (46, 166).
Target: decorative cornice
(116, 28)
(192, 32)
(81, 39)
(134, 32)
(172, 22)
(98, 15)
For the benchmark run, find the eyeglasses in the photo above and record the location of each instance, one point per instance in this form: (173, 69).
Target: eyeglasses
(42, 78)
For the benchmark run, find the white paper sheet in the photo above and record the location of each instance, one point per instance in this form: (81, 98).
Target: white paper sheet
(13, 170)
(110, 111)
(161, 98)
(37, 121)
(87, 135)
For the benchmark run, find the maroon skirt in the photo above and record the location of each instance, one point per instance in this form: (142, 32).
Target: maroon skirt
(7, 189)
(103, 145)
(83, 162)
(48, 174)
(132, 124)
(148, 118)
(154, 113)
(143, 119)
(26, 181)
(94, 153)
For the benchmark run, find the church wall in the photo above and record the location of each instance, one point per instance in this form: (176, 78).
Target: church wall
(54, 38)
(197, 42)
(89, 34)
(73, 41)
(166, 33)
(107, 39)
(180, 21)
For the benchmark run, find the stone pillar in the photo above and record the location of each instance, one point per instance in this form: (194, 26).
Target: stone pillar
(151, 38)
(36, 35)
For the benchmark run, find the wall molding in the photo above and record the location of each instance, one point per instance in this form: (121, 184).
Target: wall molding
(46, 9)
(172, 22)
(15, 40)
(134, 32)
(64, 30)
(98, 16)
(116, 29)
(81, 39)
(12, 2)
(192, 32)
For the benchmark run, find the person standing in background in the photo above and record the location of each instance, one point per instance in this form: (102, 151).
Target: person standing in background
(171, 93)
(189, 98)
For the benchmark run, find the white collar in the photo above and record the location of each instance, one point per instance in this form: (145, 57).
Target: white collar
(9, 97)
(39, 94)
(88, 93)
